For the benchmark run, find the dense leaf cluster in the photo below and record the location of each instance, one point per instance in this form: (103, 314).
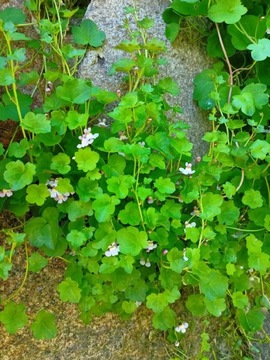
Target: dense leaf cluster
(116, 192)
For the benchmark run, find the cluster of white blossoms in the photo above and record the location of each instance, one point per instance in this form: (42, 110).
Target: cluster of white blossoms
(113, 249)
(86, 138)
(6, 193)
(187, 170)
(55, 194)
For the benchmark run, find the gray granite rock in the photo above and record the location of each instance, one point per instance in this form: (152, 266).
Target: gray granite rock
(186, 57)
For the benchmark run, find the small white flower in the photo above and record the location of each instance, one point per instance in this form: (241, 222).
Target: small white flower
(182, 328)
(142, 143)
(102, 123)
(177, 343)
(151, 246)
(150, 200)
(113, 249)
(52, 183)
(55, 194)
(58, 197)
(190, 225)
(6, 193)
(122, 136)
(184, 255)
(145, 263)
(187, 170)
(86, 138)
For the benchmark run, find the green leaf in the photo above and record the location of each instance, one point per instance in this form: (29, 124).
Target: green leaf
(211, 205)
(165, 319)
(36, 123)
(240, 300)
(75, 120)
(87, 189)
(75, 91)
(164, 186)
(63, 186)
(37, 262)
(37, 194)
(261, 50)
(130, 215)
(120, 185)
(86, 159)
(259, 261)
(214, 285)
(169, 86)
(131, 240)
(195, 304)
(128, 46)
(12, 14)
(18, 175)
(43, 231)
(252, 198)
(87, 33)
(6, 77)
(158, 302)
(44, 326)
(122, 65)
(76, 238)
(229, 213)
(104, 207)
(228, 11)
(13, 317)
(129, 307)
(193, 9)
(252, 96)
(79, 209)
(69, 291)
(260, 149)
(215, 306)
(18, 150)
(251, 321)
(171, 31)
(204, 85)
(176, 260)
(249, 26)
(60, 163)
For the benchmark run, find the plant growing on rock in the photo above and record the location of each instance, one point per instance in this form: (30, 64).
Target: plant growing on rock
(136, 219)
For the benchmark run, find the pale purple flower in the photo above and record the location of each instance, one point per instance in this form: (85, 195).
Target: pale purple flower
(87, 138)
(113, 249)
(6, 193)
(151, 246)
(190, 225)
(182, 328)
(55, 194)
(187, 170)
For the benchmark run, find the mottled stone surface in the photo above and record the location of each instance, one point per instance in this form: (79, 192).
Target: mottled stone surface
(186, 57)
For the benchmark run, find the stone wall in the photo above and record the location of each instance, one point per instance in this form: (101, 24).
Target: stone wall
(186, 57)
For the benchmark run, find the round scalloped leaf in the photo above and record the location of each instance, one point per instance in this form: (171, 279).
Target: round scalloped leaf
(261, 50)
(87, 33)
(228, 11)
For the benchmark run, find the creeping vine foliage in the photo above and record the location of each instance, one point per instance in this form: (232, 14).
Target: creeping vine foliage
(116, 193)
